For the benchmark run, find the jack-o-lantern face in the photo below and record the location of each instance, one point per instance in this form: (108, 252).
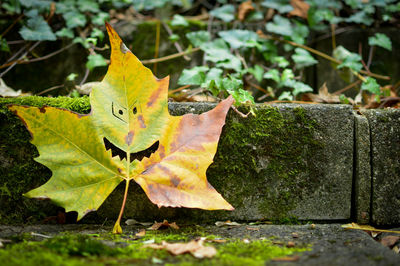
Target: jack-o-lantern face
(128, 135)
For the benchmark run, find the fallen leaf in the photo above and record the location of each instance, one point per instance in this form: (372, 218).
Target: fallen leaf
(6, 91)
(128, 136)
(389, 241)
(227, 223)
(134, 222)
(396, 249)
(194, 247)
(367, 228)
(141, 233)
(253, 228)
(293, 258)
(163, 225)
(217, 240)
(290, 244)
(244, 9)
(323, 96)
(300, 8)
(295, 235)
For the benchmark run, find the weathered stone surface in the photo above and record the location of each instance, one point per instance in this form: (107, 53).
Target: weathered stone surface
(385, 142)
(362, 173)
(288, 160)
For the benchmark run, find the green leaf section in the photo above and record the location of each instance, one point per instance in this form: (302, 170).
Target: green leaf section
(76, 144)
(381, 40)
(225, 13)
(37, 29)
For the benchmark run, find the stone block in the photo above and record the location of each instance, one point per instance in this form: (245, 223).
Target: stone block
(385, 159)
(287, 161)
(362, 173)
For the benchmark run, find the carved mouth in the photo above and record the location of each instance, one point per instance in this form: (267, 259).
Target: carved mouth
(115, 151)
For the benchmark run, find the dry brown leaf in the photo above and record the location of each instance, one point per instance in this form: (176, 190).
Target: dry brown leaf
(294, 258)
(323, 96)
(295, 235)
(227, 223)
(367, 228)
(165, 224)
(194, 247)
(300, 8)
(389, 241)
(244, 9)
(253, 228)
(141, 233)
(290, 244)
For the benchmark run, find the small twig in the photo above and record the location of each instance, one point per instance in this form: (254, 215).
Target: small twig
(157, 45)
(240, 113)
(333, 26)
(15, 55)
(85, 77)
(362, 60)
(12, 25)
(348, 87)
(177, 45)
(178, 89)
(22, 56)
(40, 235)
(35, 59)
(169, 57)
(241, 58)
(370, 55)
(50, 89)
(323, 55)
(257, 87)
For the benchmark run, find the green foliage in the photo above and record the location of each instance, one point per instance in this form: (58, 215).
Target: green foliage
(232, 50)
(37, 29)
(380, 40)
(225, 13)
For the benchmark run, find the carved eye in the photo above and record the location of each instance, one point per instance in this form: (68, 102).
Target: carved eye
(134, 110)
(119, 112)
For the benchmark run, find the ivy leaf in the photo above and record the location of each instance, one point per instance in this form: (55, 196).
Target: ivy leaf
(88, 6)
(303, 58)
(280, 25)
(128, 136)
(100, 18)
(285, 95)
(349, 59)
(361, 17)
(65, 32)
(197, 38)
(95, 60)
(257, 71)
(4, 45)
(282, 6)
(273, 74)
(381, 40)
(238, 38)
(298, 87)
(280, 60)
(218, 52)
(74, 19)
(224, 13)
(37, 30)
(178, 20)
(371, 85)
(194, 76)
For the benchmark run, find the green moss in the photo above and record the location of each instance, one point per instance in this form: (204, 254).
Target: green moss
(18, 171)
(270, 153)
(107, 249)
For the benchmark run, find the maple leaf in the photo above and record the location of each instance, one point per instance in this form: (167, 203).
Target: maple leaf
(166, 155)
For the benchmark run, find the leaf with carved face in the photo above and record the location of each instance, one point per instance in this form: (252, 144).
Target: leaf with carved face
(128, 135)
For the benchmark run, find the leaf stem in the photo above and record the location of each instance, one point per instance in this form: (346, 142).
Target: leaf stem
(117, 227)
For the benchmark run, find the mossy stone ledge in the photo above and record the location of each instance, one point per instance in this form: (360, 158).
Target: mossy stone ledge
(288, 160)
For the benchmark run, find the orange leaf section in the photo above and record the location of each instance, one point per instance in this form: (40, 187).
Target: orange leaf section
(300, 8)
(176, 175)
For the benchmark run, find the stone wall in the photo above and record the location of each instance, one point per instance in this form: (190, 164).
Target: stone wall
(302, 161)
